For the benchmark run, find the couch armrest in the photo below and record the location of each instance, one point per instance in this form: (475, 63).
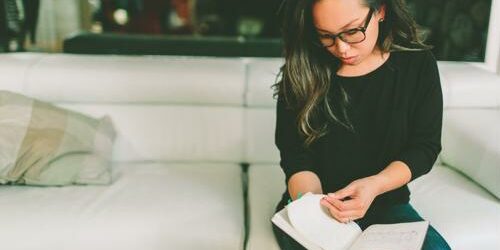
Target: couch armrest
(471, 144)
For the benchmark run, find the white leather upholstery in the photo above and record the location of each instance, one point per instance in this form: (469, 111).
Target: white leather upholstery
(139, 79)
(467, 216)
(265, 186)
(472, 145)
(178, 133)
(262, 73)
(165, 108)
(467, 86)
(150, 206)
(260, 126)
(14, 68)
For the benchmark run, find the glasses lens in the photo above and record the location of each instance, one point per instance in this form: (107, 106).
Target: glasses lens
(354, 36)
(326, 41)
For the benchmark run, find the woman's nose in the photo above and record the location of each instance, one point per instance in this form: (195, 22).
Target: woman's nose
(342, 46)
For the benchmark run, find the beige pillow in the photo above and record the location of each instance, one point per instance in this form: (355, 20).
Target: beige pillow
(41, 144)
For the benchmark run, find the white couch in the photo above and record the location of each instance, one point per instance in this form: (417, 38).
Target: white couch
(195, 161)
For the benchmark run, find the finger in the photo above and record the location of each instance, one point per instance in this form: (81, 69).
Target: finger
(336, 203)
(341, 216)
(353, 204)
(342, 193)
(349, 215)
(333, 210)
(345, 212)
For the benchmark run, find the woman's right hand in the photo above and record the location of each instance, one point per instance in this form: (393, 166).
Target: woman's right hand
(337, 214)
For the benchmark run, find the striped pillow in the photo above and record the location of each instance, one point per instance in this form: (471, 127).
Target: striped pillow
(41, 144)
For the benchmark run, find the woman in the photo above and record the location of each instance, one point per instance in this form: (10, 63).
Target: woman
(359, 110)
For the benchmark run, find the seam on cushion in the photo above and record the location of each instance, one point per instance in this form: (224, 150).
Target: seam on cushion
(246, 216)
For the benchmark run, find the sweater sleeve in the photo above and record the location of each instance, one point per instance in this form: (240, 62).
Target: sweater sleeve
(424, 142)
(294, 156)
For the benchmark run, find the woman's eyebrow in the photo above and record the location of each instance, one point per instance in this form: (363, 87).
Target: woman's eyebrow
(351, 22)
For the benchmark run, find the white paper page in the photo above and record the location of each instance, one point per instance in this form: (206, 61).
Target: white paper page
(280, 219)
(399, 236)
(315, 223)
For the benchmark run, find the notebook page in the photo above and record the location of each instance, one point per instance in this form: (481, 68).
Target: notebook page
(280, 219)
(399, 236)
(315, 223)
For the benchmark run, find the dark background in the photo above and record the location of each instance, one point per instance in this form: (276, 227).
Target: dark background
(457, 29)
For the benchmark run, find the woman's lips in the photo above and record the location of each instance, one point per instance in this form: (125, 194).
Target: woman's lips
(348, 59)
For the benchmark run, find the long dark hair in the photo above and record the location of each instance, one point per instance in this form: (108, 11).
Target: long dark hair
(305, 78)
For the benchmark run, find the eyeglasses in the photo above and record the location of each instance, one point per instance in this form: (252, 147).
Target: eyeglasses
(351, 36)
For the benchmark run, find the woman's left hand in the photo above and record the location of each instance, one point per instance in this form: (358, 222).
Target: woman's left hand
(362, 193)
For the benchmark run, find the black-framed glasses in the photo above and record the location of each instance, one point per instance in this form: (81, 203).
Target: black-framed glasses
(351, 36)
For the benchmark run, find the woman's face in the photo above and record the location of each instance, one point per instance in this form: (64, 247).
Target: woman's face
(335, 16)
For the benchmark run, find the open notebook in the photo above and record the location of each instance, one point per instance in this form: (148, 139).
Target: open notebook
(311, 224)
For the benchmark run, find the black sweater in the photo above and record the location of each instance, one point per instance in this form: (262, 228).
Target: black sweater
(396, 111)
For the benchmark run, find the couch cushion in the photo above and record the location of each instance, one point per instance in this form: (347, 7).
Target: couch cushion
(262, 73)
(466, 86)
(266, 184)
(466, 215)
(181, 133)
(260, 126)
(14, 69)
(150, 206)
(471, 144)
(128, 79)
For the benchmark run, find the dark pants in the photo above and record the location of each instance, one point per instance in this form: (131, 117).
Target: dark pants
(394, 214)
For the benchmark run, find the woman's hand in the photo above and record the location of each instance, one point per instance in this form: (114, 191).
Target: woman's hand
(361, 192)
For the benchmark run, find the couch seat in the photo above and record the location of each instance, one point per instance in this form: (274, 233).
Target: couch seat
(149, 206)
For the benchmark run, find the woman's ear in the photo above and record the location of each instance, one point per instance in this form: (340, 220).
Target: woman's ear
(380, 16)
